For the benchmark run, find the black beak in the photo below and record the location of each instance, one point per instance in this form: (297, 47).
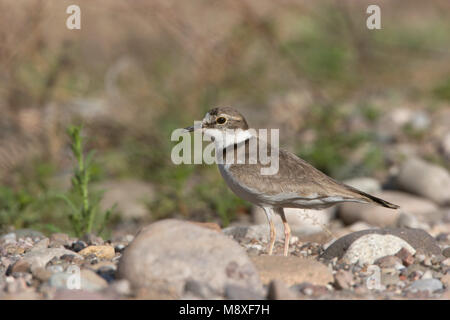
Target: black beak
(197, 125)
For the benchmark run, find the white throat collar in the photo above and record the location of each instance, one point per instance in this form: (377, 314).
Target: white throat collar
(225, 138)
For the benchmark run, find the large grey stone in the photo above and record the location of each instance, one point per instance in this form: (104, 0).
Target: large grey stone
(168, 253)
(425, 179)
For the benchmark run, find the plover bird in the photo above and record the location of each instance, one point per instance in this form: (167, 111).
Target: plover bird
(296, 183)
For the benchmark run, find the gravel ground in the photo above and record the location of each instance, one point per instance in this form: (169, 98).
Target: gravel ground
(33, 266)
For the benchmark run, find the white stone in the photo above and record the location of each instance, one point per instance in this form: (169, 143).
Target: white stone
(368, 248)
(425, 179)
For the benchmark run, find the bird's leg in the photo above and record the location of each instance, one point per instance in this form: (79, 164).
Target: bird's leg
(269, 215)
(287, 231)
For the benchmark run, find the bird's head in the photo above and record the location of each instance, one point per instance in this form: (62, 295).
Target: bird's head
(222, 124)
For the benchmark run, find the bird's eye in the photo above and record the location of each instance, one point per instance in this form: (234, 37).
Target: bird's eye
(221, 120)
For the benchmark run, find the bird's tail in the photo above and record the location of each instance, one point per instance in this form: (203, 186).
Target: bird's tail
(372, 199)
(379, 201)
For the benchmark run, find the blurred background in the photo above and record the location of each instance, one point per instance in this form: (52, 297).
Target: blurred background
(353, 102)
